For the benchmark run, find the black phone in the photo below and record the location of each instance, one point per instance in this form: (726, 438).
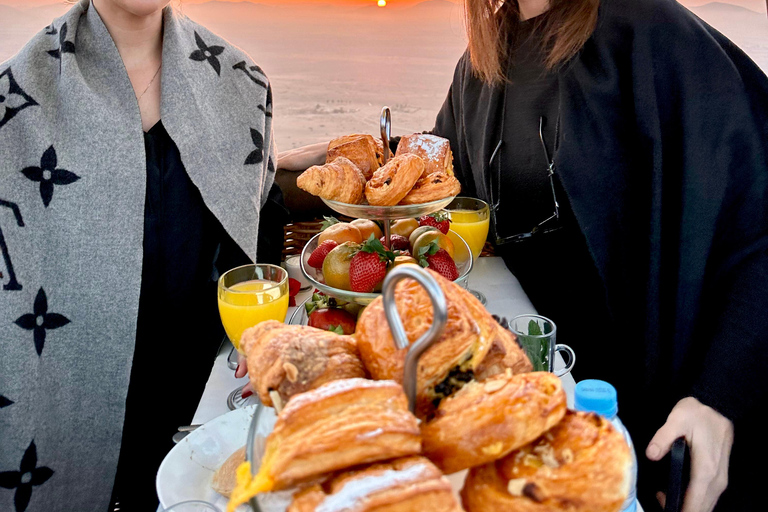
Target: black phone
(679, 473)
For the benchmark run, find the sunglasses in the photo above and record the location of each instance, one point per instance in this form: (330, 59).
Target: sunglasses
(547, 225)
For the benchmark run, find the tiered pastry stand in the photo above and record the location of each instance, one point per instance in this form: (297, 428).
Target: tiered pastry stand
(385, 215)
(256, 444)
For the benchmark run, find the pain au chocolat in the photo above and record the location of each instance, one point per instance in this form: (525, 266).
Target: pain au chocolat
(473, 346)
(435, 151)
(340, 180)
(432, 187)
(582, 465)
(486, 420)
(411, 484)
(337, 426)
(361, 149)
(292, 359)
(392, 182)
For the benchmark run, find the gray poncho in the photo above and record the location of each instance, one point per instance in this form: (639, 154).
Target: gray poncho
(72, 189)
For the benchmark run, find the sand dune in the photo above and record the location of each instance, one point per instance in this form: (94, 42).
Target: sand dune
(333, 68)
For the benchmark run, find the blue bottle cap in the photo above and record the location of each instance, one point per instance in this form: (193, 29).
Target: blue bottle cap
(596, 396)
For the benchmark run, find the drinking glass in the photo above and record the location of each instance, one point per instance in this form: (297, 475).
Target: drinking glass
(249, 295)
(192, 506)
(470, 219)
(538, 337)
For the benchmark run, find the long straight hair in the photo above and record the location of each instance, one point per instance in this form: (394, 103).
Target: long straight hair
(566, 27)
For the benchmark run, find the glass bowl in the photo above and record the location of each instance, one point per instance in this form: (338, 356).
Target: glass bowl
(400, 211)
(462, 257)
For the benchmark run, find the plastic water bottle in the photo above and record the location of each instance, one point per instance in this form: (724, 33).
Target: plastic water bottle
(600, 397)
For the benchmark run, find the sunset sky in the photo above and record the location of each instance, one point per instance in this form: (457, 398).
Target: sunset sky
(391, 3)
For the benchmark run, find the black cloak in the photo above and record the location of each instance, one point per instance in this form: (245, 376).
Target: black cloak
(663, 154)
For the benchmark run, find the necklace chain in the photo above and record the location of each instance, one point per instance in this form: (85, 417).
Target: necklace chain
(150, 82)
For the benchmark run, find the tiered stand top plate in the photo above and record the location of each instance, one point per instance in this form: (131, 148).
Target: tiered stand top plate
(400, 211)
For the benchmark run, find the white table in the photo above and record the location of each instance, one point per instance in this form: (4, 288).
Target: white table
(505, 296)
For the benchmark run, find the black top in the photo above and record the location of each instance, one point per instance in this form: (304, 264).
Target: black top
(663, 156)
(179, 330)
(554, 268)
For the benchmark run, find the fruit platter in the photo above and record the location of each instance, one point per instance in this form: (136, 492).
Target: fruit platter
(349, 261)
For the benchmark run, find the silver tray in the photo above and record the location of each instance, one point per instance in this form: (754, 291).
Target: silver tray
(462, 257)
(400, 211)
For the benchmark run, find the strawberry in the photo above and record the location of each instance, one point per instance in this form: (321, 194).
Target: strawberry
(317, 257)
(396, 242)
(333, 319)
(440, 220)
(437, 259)
(369, 266)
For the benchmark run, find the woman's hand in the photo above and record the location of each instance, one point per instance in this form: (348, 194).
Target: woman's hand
(242, 371)
(709, 435)
(300, 159)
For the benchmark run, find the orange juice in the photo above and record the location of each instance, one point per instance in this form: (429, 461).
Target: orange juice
(472, 226)
(246, 304)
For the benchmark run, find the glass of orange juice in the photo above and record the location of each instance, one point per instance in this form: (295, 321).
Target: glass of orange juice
(470, 219)
(249, 295)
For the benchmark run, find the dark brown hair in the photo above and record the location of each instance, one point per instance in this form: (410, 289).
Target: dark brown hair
(566, 27)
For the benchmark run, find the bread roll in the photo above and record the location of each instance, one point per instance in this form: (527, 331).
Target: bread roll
(435, 151)
(292, 359)
(342, 424)
(391, 183)
(360, 149)
(411, 484)
(486, 420)
(472, 346)
(582, 465)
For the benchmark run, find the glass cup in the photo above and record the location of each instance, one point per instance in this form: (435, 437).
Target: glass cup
(537, 335)
(247, 296)
(192, 506)
(470, 219)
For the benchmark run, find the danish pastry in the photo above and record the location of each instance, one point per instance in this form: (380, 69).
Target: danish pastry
(224, 479)
(435, 151)
(486, 420)
(581, 465)
(473, 345)
(412, 484)
(292, 359)
(339, 425)
(339, 180)
(432, 187)
(360, 149)
(391, 183)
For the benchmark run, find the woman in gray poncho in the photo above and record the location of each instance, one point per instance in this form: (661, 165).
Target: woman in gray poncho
(136, 156)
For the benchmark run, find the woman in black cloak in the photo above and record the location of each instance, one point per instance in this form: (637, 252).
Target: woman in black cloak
(655, 267)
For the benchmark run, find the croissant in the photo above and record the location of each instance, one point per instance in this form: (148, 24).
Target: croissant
(360, 149)
(412, 484)
(433, 187)
(391, 183)
(471, 336)
(292, 359)
(581, 465)
(435, 151)
(486, 420)
(339, 425)
(339, 180)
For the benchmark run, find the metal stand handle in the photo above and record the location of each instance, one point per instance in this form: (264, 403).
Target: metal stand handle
(249, 446)
(440, 317)
(386, 131)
